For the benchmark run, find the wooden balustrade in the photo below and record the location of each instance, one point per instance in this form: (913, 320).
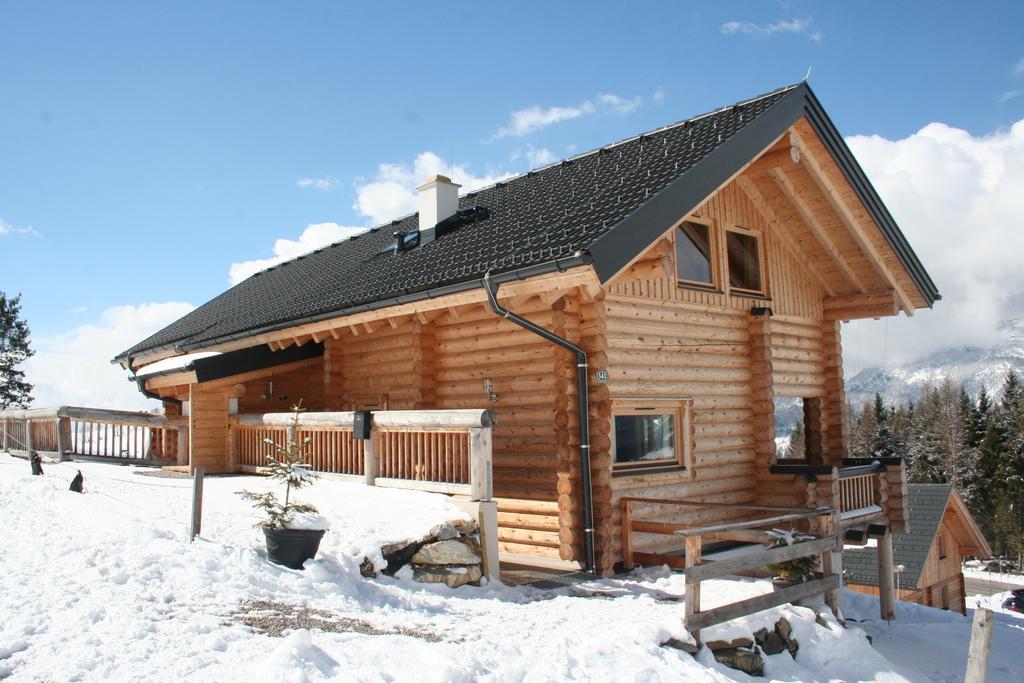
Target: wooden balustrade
(69, 432)
(857, 493)
(763, 550)
(446, 451)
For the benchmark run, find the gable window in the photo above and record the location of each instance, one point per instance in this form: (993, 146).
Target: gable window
(650, 435)
(744, 257)
(694, 255)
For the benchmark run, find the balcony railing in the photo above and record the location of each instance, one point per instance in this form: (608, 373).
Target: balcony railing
(445, 451)
(117, 435)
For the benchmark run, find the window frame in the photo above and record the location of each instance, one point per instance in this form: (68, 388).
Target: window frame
(713, 258)
(682, 408)
(742, 291)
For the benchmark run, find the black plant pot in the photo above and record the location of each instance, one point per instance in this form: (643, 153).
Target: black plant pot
(292, 547)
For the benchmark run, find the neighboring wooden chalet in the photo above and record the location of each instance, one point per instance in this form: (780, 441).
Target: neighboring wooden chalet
(692, 274)
(942, 533)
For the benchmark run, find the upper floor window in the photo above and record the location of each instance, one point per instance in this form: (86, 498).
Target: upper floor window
(694, 260)
(744, 258)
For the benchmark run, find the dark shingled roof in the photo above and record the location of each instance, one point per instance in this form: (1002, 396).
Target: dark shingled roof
(602, 207)
(926, 504)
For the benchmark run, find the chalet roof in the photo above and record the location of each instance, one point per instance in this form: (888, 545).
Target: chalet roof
(926, 505)
(602, 208)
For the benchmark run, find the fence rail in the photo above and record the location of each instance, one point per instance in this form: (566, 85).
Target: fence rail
(446, 451)
(764, 550)
(69, 431)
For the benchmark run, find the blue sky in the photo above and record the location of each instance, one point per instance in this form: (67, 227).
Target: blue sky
(146, 148)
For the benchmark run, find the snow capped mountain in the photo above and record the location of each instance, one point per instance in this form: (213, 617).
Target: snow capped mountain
(973, 367)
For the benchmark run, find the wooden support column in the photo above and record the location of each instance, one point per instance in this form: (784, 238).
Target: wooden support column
(691, 604)
(886, 586)
(334, 390)
(762, 392)
(7, 435)
(208, 428)
(835, 430)
(832, 563)
(424, 357)
(63, 432)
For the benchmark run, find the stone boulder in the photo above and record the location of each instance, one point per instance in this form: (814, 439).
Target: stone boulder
(450, 554)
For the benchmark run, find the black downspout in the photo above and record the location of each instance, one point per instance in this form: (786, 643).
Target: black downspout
(582, 404)
(141, 381)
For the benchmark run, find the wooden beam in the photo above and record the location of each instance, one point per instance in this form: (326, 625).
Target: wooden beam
(759, 202)
(860, 306)
(762, 602)
(758, 558)
(785, 184)
(177, 379)
(231, 380)
(832, 195)
(786, 157)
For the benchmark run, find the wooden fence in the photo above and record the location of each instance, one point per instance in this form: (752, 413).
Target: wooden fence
(445, 451)
(116, 435)
(763, 550)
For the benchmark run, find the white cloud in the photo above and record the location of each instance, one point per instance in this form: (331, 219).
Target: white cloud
(8, 229)
(523, 122)
(659, 95)
(796, 26)
(1018, 68)
(313, 237)
(957, 198)
(535, 157)
(322, 184)
(392, 192)
(1010, 95)
(74, 368)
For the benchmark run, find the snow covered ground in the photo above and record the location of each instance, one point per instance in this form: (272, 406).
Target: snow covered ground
(104, 587)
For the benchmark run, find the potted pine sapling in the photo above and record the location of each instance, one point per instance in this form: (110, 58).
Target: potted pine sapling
(293, 530)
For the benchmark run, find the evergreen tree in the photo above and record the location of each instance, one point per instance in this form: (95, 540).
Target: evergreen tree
(15, 392)
(796, 448)
(882, 445)
(863, 430)
(926, 456)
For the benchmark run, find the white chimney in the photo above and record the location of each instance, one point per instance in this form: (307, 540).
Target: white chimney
(439, 199)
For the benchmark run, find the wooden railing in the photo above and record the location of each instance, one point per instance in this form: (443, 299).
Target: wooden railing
(69, 432)
(764, 550)
(859, 489)
(446, 451)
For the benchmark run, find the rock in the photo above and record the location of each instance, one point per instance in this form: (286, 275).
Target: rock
(397, 555)
(722, 645)
(445, 553)
(773, 643)
(367, 569)
(748, 661)
(443, 532)
(677, 644)
(453, 577)
(783, 628)
(465, 527)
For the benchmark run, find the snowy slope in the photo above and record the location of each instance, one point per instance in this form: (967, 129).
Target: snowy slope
(971, 366)
(103, 587)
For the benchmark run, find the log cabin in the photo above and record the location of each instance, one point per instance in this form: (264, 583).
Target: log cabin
(942, 533)
(628, 315)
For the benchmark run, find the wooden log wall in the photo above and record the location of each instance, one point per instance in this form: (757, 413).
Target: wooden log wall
(663, 340)
(470, 346)
(208, 428)
(305, 383)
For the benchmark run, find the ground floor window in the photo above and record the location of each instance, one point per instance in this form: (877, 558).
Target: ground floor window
(650, 434)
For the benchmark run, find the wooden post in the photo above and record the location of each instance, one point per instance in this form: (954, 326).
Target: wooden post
(28, 437)
(182, 456)
(691, 605)
(627, 535)
(981, 641)
(7, 437)
(369, 462)
(480, 482)
(195, 526)
(832, 563)
(886, 589)
(63, 431)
